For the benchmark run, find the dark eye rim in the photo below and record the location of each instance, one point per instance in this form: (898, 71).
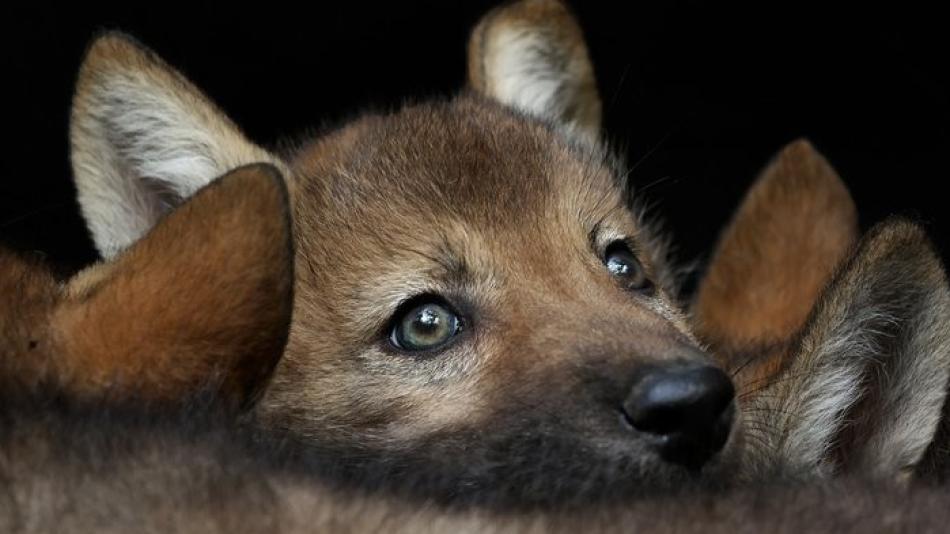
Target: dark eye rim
(406, 306)
(642, 283)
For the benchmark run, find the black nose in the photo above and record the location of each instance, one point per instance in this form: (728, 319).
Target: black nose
(687, 409)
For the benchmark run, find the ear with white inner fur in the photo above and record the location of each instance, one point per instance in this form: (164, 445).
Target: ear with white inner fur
(867, 381)
(143, 139)
(531, 55)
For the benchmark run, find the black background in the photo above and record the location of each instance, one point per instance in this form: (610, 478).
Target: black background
(698, 95)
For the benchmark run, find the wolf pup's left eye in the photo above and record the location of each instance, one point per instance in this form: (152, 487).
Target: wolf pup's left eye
(623, 265)
(425, 325)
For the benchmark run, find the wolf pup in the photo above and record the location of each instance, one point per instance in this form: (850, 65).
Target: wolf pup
(105, 423)
(475, 299)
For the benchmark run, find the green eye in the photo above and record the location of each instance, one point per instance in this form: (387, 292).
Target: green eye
(426, 326)
(623, 265)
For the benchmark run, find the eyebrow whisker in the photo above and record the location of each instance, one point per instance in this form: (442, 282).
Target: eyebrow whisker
(443, 262)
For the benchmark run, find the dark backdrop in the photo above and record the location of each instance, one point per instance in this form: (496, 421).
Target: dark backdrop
(696, 94)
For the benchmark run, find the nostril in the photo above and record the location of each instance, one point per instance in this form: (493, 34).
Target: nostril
(663, 401)
(690, 407)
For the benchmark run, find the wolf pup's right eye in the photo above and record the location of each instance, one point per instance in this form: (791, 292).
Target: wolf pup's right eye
(426, 325)
(623, 265)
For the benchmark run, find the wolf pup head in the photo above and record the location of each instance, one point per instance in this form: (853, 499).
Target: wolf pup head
(474, 297)
(476, 301)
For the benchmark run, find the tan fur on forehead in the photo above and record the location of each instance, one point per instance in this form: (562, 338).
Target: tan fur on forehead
(467, 163)
(469, 150)
(444, 174)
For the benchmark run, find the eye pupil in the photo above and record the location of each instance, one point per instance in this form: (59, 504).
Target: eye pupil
(427, 320)
(618, 267)
(426, 326)
(622, 264)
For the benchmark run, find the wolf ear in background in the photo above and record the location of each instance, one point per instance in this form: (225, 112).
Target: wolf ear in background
(795, 225)
(866, 381)
(142, 140)
(203, 300)
(531, 55)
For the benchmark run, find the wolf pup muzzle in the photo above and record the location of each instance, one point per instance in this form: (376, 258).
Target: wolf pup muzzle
(687, 408)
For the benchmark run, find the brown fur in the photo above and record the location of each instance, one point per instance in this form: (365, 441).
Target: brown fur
(865, 379)
(497, 211)
(30, 294)
(163, 318)
(795, 225)
(506, 216)
(93, 467)
(128, 471)
(847, 364)
(99, 467)
(506, 254)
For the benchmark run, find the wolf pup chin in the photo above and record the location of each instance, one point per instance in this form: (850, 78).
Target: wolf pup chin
(477, 301)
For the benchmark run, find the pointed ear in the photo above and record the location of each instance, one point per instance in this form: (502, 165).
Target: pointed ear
(795, 225)
(142, 140)
(203, 300)
(531, 55)
(867, 381)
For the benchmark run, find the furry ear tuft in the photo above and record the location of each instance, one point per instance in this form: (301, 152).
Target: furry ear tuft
(203, 300)
(531, 55)
(867, 381)
(142, 140)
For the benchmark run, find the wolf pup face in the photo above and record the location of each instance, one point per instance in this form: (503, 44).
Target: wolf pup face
(473, 294)
(476, 305)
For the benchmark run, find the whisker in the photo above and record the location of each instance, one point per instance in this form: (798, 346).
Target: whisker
(656, 182)
(770, 381)
(623, 78)
(749, 360)
(650, 153)
(771, 410)
(31, 213)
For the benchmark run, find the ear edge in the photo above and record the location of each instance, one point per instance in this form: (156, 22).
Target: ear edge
(126, 102)
(255, 189)
(114, 46)
(119, 53)
(247, 385)
(575, 105)
(854, 356)
(889, 429)
(798, 185)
